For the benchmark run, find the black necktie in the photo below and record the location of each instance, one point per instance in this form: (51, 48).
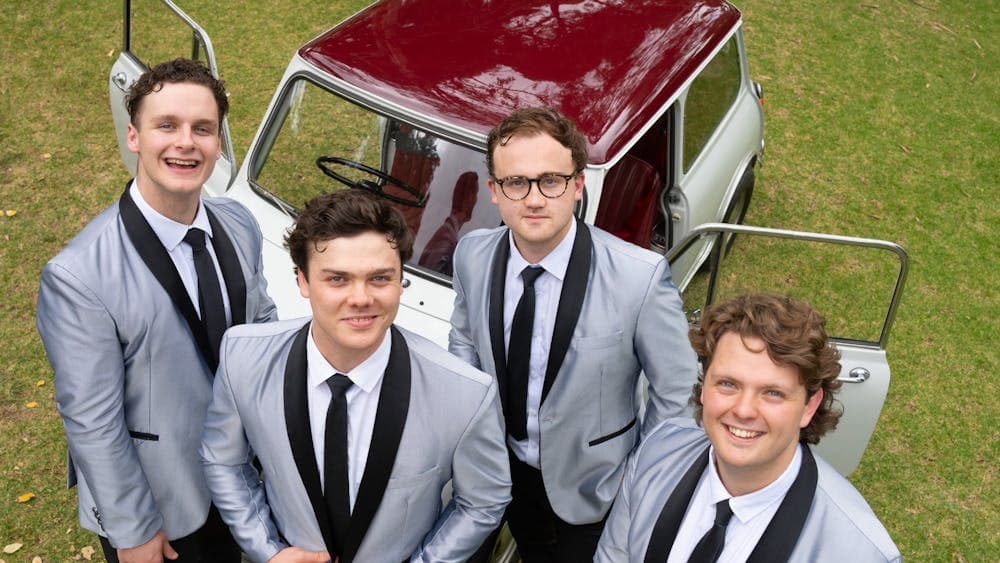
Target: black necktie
(519, 356)
(335, 480)
(709, 548)
(213, 312)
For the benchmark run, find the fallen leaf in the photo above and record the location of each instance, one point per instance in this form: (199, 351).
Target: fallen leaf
(32, 404)
(46, 156)
(40, 383)
(12, 547)
(25, 497)
(36, 559)
(10, 212)
(87, 552)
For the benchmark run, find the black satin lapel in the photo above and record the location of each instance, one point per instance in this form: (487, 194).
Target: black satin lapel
(783, 531)
(498, 277)
(390, 419)
(229, 263)
(159, 263)
(299, 431)
(574, 289)
(669, 521)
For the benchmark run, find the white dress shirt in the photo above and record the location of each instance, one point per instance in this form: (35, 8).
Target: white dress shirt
(751, 513)
(362, 405)
(171, 235)
(548, 287)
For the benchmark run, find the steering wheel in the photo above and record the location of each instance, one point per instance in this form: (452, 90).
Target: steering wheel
(323, 162)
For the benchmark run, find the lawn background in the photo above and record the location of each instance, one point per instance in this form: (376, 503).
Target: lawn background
(882, 122)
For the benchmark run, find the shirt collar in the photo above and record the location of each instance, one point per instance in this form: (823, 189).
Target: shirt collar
(555, 262)
(170, 232)
(746, 507)
(365, 376)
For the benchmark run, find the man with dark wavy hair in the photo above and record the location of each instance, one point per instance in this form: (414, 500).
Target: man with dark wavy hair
(358, 424)
(740, 482)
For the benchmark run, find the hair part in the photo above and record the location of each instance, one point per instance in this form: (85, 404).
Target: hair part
(346, 213)
(175, 72)
(794, 336)
(535, 121)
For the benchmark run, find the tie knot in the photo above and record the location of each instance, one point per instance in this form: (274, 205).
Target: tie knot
(723, 513)
(339, 384)
(196, 238)
(530, 274)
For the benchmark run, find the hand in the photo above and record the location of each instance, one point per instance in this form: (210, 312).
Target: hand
(299, 555)
(153, 551)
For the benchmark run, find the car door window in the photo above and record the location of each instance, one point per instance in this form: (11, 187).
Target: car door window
(709, 98)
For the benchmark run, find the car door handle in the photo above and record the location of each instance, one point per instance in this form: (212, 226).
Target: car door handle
(856, 375)
(121, 81)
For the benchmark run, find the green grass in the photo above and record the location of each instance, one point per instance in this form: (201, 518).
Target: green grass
(882, 122)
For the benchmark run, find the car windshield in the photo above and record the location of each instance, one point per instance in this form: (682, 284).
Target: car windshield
(327, 143)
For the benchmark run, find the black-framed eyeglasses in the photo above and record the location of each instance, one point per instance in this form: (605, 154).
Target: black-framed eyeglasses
(549, 185)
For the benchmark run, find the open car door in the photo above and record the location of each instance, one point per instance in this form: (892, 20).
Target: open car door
(855, 283)
(154, 31)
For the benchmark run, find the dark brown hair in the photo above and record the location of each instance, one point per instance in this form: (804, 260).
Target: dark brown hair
(794, 336)
(533, 121)
(175, 72)
(345, 213)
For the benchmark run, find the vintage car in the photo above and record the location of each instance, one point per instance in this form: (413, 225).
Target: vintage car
(398, 100)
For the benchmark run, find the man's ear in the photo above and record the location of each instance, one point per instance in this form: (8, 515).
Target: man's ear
(811, 405)
(303, 282)
(132, 138)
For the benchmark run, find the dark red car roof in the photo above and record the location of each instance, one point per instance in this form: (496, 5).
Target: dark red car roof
(610, 65)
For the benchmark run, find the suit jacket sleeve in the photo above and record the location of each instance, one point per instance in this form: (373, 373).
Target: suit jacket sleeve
(661, 342)
(265, 311)
(81, 341)
(237, 490)
(613, 546)
(460, 340)
(481, 489)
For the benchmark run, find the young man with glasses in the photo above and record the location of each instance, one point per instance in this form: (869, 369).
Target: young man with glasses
(566, 316)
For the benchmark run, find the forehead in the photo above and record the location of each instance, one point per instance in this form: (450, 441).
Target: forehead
(746, 359)
(357, 253)
(185, 99)
(534, 150)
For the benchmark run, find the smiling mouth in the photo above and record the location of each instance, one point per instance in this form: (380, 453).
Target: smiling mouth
(183, 163)
(741, 433)
(361, 321)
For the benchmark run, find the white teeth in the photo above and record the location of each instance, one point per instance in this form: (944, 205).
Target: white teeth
(740, 433)
(182, 162)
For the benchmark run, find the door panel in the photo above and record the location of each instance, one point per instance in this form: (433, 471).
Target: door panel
(855, 283)
(155, 31)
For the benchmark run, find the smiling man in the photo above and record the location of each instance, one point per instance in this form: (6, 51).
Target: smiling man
(132, 312)
(566, 317)
(357, 424)
(747, 486)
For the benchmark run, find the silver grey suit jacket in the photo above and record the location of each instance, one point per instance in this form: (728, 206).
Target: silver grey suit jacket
(619, 315)
(438, 420)
(840, 525)
(132, 381)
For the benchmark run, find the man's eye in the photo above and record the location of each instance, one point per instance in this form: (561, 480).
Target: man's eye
(549, 181)
(517, 183)
(775, 393)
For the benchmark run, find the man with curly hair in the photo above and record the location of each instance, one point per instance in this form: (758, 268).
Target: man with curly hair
(740, 482)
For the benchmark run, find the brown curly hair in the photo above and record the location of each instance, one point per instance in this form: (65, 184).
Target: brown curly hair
(175, 72)
(794, 335)
(532, 121)
(346, 213)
